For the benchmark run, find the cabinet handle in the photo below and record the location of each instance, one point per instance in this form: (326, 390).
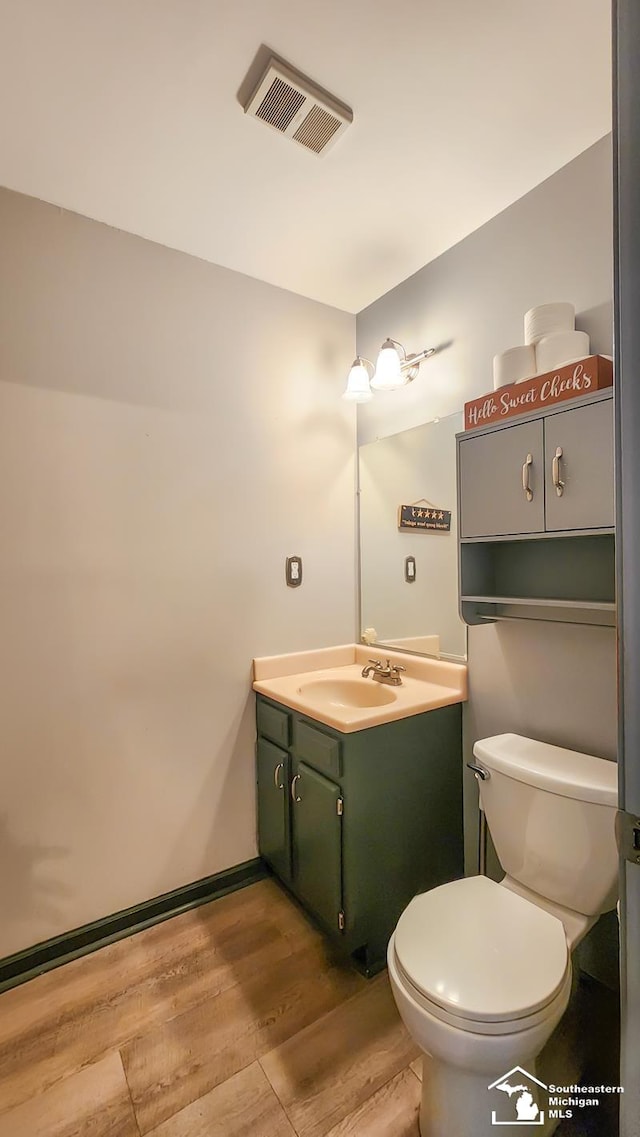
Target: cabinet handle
(294, 795)
(557, 480)
(276, 776)
(526, 466)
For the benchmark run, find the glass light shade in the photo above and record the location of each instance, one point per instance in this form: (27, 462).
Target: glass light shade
(388, 374)
(358, 387)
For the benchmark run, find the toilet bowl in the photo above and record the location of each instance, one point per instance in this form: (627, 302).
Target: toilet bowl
(484, 997)
(481, 971)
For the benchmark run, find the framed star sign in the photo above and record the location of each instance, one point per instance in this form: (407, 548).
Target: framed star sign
(423, 516)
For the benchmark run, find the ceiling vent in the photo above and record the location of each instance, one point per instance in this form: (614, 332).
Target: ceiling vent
(293, 105)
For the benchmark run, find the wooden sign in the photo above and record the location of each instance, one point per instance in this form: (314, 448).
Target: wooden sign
(568, 382)
(424, 517)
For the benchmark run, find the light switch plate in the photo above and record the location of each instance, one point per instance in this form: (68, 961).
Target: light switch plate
(409, 569)
(293, 571)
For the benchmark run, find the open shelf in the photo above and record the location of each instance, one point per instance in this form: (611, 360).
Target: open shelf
(594, 605)
(490, 609)
(568, 579)
(552, 535)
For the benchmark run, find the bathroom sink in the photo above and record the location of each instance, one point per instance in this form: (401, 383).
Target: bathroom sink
(347, 693)
(327, 685)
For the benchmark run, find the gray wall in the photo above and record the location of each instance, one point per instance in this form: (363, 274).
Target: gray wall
(553, 682)
(165, 426)
(169, 432)
(553, 244)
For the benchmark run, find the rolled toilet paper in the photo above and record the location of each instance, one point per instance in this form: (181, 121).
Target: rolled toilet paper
(547, 319)
(560, 348)
(514, 365)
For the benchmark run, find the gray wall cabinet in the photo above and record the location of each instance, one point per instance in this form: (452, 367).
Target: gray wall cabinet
(536, 503)
(578, 446)
(356, 824)
(509, 477)
(493, 470)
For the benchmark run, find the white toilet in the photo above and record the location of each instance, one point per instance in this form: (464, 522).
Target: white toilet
(481, 972)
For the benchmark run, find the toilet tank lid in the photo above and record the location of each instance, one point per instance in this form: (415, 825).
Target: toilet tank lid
(565, 772)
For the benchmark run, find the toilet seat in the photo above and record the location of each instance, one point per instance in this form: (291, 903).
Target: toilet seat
(482, 958)
(477, 1026)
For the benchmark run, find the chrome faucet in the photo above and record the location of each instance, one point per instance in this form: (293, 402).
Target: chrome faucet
(389, 673)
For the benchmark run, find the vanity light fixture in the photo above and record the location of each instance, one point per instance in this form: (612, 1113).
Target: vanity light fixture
(394, 368)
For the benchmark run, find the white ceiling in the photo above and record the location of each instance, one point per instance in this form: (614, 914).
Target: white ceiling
(127, 111)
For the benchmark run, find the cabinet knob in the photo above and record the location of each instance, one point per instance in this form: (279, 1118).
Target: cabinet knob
(526, 466)
(276, 776)
(557, 481)
(294, 796)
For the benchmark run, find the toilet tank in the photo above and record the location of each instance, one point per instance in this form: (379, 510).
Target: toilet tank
(551, 815)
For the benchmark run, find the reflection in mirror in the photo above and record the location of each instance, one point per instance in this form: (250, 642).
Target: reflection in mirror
(409, 576)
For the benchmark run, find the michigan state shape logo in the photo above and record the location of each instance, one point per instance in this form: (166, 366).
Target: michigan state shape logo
(520, 1099)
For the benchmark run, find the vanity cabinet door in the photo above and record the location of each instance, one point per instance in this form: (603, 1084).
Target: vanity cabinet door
(579, 463)
(501, 492)
(273, 807)
(317, 844)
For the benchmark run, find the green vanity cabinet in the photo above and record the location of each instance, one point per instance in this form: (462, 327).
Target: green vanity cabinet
(356, 824)
(316, 839)
(274, 779)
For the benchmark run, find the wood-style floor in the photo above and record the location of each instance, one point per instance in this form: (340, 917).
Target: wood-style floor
(231, 1020)
(234, 1020)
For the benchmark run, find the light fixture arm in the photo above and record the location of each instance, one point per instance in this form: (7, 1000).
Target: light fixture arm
(396, 343)
(362, 359)
(416, 358)
(411, 363)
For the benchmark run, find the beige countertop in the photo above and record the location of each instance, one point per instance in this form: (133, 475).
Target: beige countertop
(327, 685)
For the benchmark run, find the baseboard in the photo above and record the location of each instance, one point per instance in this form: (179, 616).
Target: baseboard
(24, 965)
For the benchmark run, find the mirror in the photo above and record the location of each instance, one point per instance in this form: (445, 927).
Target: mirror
(409, 564)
